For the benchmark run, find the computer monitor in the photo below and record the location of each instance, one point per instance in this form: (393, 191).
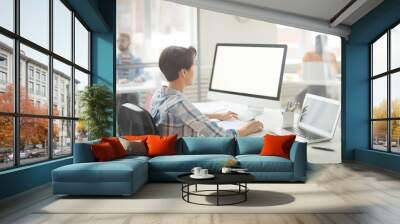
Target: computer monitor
(249, 74)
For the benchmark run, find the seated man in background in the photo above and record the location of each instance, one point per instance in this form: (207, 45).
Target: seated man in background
(319, 66)
(126, 58)
(173, 113)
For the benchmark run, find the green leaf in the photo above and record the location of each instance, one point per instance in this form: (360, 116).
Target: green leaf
(96, 102)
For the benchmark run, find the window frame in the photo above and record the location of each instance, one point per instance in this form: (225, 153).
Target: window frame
(16, 115)
(388, 74)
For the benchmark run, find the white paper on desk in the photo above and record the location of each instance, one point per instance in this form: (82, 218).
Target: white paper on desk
(232, 124)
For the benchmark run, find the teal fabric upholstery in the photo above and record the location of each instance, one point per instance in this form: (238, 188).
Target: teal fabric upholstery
(257, 163)
(128, 159)
(185, 163)
(83, 152)
(119, 177)
(267, 168)
(126, 175)
(206, 145)
(298, 155)
(249, 145)
(167, 168)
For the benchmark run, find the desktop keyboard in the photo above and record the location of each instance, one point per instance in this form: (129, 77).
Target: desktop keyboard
(303, 133)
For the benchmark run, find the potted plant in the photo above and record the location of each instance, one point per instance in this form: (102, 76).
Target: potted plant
(96, 102)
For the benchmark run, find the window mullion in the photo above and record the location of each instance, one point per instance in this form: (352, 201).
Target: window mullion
(50, 82)
(16, 85)
(371, 140)
(389, 101)
(73, 82)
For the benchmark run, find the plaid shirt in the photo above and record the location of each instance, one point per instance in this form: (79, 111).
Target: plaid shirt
(174, 114)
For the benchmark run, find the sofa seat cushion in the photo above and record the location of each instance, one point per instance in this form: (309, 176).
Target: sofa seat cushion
(113, 171)
(257, 163)
(133, 158)
(185, 163)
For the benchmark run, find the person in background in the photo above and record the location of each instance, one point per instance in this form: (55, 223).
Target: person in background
(124, 58)
(322, 66)
(321, 55)
(127, 75)
(173, 113)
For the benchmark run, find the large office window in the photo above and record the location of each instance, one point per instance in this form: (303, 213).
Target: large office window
(39, 80)
(385, 92)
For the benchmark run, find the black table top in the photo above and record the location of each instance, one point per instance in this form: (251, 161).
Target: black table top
(220, 178)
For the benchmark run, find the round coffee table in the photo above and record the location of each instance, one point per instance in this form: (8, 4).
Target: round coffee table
(238, 179)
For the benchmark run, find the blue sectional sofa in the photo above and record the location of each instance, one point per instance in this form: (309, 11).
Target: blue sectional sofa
(125, 176)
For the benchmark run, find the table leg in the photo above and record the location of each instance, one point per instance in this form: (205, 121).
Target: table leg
(245, 193)
(188, 190)
(182, 190)
(217, 194)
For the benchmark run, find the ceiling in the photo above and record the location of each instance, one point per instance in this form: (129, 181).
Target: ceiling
(318, 9)
(327, 16)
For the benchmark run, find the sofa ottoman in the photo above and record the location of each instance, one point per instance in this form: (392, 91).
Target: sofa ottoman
(119, 177)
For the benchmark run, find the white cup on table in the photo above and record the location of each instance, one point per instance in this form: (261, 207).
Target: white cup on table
(203, 172)
(196, 171)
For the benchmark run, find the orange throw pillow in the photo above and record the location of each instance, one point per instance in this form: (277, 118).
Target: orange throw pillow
(277, 145)
(103, 152)
(161, 145)
(116, 145)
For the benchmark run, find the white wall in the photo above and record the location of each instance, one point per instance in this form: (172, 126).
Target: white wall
(223, 28)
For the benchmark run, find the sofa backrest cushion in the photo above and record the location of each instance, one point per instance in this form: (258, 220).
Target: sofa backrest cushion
(249, 145)
(83, 153)
(104, 151)
(277, 145)
(116, 146)
(161, 145)
(206, 145)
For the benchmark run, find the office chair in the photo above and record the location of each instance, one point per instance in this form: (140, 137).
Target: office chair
(134, 120)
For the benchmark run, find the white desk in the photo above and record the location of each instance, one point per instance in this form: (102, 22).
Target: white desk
(272, 120)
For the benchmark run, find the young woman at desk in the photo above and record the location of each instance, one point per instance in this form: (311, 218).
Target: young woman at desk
(173, 113)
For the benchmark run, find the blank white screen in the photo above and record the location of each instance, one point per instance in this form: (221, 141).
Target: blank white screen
(250, 70)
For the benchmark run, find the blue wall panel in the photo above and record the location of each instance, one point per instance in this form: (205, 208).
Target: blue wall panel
(103, 61)
(376, 158)
(356, 100)
(357, 84)
(24, 178)
(103, 51)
